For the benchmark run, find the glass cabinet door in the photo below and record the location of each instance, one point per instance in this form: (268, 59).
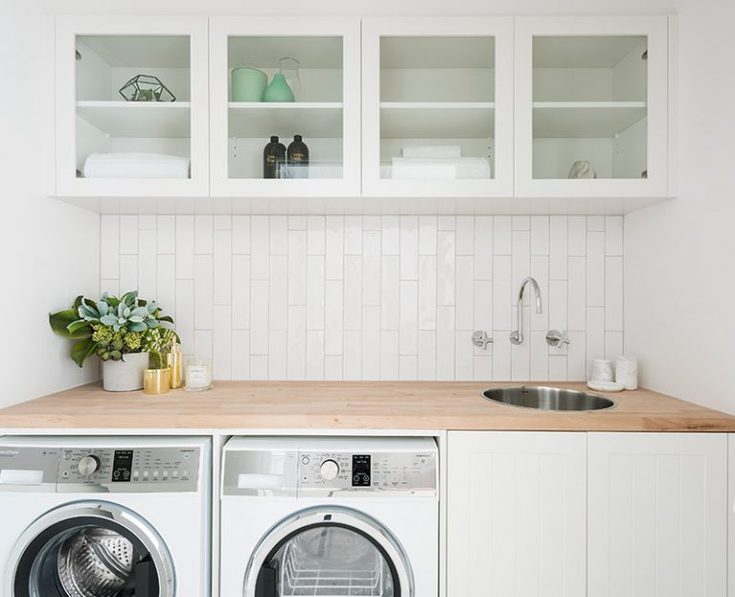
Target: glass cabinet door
(284, 106)
(131, 113)
(592, 106)
(437, 105)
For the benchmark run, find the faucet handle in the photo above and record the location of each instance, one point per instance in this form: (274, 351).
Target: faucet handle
(557, 338)
(481, 339)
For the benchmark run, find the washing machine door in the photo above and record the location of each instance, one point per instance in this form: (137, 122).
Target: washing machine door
(91, 549)
(327, 551)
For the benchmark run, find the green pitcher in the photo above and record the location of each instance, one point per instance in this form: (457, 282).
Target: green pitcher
(278, 90)
(248, 84)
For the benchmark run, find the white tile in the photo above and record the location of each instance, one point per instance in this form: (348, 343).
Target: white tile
(427, 293)
(297, 267)
(427, 355)
(240, 354)
(166, 226)
(334, 247)
(409, 247)
(520, 357)
(353, 292)
(558, 368)
(109, 246)
(446, 223)
(315, 359)
(147, 264)
(408, 367)
(278, 235)
(502, 294)
(222, 342)
(371, 342)
(259, 367)
(445, 269)
(110, 287)
(278, 293)
(166, 283)
(501, 235)
(128, 273)
(185, 314)
(482, 368)
(408, 317)
(259, 318)
(352, 359)
(577, 293)
(297, 222)
(595, 334)
(333, 367)
(558, 247)
(203, 292)
(483, 250)
(520, 223)
(390, 292)
(128, 235)
(577, 235)
(540, 271)
(539, 356)
(596, 223)
(465, 235)
(521, 261)
(371, 268)
(315, 239)
(501, 356)
(333, 313)
(222, 267)
(427, 235)
(465, 292)
(259, 248)
(464, 360)
(371, 222)
(445, 343)
(222, 222)
(241, 292)
(483, 306)
(241, 235)
(613, 235)
(203, 230)
(390, 235)
(296, 351)
(539, 235)
(557, 305)
(315, 292)
(614, 294)
(613, 345)
(203, 344)
(185, 247)
(353, 235)
(277, 354)
(595, 269)
(146, 222)
(577, 357)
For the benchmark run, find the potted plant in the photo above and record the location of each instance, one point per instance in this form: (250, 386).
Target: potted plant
(120, 331)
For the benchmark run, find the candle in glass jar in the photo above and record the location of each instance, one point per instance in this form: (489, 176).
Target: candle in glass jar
(198, 375)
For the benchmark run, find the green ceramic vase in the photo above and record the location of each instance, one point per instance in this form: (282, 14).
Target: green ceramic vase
(278, 90)
(248, 84)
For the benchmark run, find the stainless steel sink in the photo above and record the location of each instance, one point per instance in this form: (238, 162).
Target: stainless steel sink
(546, 398)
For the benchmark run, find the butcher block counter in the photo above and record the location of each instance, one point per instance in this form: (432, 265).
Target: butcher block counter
(350, 405)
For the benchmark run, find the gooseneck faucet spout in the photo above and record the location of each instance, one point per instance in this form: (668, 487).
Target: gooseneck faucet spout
(516, 336)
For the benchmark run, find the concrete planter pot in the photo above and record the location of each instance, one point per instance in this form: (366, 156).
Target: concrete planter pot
(125, 375)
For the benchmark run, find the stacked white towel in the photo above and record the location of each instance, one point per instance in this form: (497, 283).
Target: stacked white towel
(441, 168)
(135, 165)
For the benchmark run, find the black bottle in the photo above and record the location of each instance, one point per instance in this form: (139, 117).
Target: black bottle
(274, 155)
(298, 157)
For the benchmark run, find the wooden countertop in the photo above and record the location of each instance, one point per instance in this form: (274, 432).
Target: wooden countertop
(349, 405)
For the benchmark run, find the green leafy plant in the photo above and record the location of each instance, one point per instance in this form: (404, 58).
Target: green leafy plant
(112, 327)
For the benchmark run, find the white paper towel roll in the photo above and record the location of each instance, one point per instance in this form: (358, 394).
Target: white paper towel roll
(626, 372)
(602, 370)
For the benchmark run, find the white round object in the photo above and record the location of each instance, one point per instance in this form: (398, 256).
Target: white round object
(604, 386)
(125, 375)
(329, 470)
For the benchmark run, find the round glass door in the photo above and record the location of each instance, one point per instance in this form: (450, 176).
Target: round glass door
(91, 550)
(335, 552)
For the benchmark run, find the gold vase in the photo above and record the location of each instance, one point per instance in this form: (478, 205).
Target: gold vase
(156, 381)
(175, 362)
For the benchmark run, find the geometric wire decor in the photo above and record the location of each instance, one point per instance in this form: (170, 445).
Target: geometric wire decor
(146, 88)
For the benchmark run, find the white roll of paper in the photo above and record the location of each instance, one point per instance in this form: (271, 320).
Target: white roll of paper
(626, 372)
(602, 370)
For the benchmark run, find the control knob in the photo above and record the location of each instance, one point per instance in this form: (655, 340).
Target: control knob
(88, 465)
(329, 470)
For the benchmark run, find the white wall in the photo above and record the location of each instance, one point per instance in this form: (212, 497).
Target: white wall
(680, 255)
(48, 250)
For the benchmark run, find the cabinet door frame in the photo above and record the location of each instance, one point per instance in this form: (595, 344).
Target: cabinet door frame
(221, 28)
(501, 28)
(67, 29)
(656, 29)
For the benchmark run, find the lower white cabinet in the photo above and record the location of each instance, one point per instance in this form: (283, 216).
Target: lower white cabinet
(516, 514)
(536, 514)
(657, 514)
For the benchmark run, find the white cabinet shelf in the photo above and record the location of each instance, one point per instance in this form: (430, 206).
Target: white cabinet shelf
(437, 120)
(138, 119)
(309, 119)
(585, 120)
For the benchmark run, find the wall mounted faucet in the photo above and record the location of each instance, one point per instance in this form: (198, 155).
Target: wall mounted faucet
(516, 336)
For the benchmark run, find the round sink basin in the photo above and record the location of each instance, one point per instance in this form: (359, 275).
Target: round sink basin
(546, 398)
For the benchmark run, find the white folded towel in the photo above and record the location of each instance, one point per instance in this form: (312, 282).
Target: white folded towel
(135, 165)
(432, 151)
(441, 169)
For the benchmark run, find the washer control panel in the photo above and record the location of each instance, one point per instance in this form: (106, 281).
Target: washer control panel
(377, 471)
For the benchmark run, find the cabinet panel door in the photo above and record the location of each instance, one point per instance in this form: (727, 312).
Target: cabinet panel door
(731, 517)
(516, 514)
(657, 514)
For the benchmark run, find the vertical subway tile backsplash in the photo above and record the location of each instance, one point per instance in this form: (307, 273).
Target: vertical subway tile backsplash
(371, 297)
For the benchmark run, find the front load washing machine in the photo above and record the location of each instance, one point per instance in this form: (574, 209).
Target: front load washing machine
(105, 516)
(329, 517)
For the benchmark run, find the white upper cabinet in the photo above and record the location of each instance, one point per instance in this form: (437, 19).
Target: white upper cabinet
(104, 107)
(437, 107)
(319, 60)
(591, 107)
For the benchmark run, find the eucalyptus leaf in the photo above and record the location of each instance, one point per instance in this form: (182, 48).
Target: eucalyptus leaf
(77, 302)
(135, 319)
(102, 308)
(108, 319)
(139, 312)
(137, 327)
(166, 318)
